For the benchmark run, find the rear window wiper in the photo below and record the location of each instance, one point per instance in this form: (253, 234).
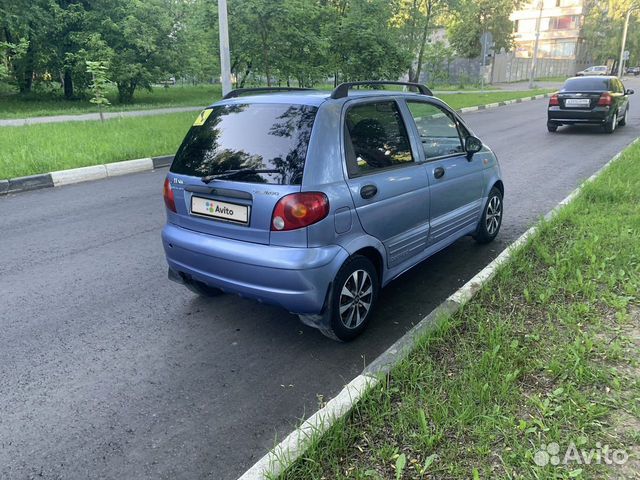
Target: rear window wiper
(230, 173)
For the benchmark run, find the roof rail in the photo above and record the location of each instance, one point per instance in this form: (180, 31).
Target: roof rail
(342, 90)
(241, 91)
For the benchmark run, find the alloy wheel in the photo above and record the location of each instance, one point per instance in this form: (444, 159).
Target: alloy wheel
(355, 298)
(494, 212)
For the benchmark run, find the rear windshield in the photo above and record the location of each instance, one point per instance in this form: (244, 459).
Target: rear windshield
(251, 137)
(586, 84)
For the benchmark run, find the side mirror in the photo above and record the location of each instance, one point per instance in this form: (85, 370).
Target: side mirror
(472, 145)
(629, 92)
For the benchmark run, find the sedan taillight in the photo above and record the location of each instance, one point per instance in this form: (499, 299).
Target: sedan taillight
(553, 101)
(167, 193)
(605, 100)
(299, 210)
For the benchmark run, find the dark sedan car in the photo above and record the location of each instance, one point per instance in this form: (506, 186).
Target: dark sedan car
(589, 101)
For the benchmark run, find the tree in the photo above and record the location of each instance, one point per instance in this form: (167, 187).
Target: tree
(70, 40)
(24, 22)
(472, 18)
(142, 38)
(302, 45)
(602, 30)
(10, 52)
(99, 84)
(416, 18)
(196, 39)
(437, 56)
(365, 45)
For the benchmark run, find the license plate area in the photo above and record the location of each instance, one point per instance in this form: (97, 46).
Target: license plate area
(218, 210)
(577, 102)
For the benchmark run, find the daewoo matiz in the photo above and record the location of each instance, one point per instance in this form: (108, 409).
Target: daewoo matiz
(314, 200)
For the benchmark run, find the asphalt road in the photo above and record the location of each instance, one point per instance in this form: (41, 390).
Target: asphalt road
(108, 370)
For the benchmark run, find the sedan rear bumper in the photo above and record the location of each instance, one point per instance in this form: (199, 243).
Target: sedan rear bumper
(597, 116)
(296, 279)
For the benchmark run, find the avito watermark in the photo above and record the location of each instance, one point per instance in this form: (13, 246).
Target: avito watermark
(602, 454)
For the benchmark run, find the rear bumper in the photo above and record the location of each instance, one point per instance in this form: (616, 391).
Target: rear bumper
(597, 116)
(296, 279)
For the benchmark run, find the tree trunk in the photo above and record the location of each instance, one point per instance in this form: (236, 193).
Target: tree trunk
(423, 42)
(67, 83)
(267, 67)
(26, 82)
(412, 36)
(126, 90)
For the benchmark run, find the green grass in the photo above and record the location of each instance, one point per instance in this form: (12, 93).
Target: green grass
(40, 105)
(548, 351)
(42, 148)
(57, 146)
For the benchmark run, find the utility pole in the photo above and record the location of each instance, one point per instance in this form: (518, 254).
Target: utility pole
(624, 41)
(532, 73)
(225, 57)
(484, 55)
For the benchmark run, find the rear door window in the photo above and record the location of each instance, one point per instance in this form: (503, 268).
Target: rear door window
(439, 131)
(376, 138)
(262, 143)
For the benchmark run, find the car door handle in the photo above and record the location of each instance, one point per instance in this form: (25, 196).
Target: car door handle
(368, 191)
(438, 172)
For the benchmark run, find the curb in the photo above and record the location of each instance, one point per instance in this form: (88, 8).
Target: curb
(82, 174)
(295, 444)
(97, 172)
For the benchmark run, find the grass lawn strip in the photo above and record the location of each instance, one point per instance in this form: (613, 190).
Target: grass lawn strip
(42, 105)
(46, 148)
(541, 366)
(33, 149)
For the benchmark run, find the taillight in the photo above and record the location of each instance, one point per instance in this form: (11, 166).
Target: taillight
(553, 101)
(605, 100)
(167, 193)
(299, 210)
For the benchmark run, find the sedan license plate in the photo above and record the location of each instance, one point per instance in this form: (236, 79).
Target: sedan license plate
(221, 210)
(577, 102)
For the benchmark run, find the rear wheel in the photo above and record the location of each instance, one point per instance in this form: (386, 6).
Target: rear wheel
(552, 127)
(623, 120)
(491, 220)
(354, 297)
(611, 125)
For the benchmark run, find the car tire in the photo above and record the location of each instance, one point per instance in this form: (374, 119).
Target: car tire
(611, 124)
(491, 219)
(203, 290)
(552, 127)
(356, 281)
(623, 120)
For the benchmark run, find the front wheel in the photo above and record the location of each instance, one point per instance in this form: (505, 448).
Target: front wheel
(491, 220)
(354, 296)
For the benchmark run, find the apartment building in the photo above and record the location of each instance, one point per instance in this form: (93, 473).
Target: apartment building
(560, 29)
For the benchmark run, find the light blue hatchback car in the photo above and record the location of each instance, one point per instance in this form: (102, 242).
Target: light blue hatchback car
(314, 200)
